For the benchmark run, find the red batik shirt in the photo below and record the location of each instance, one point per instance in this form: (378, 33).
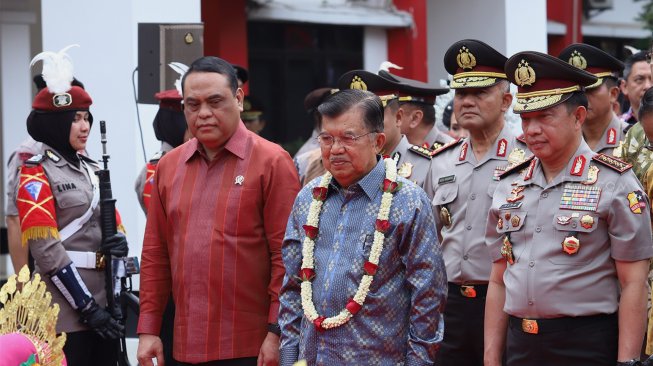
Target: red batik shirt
(213, 235)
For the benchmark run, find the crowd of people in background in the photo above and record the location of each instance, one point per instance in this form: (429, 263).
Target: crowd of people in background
(398, 234)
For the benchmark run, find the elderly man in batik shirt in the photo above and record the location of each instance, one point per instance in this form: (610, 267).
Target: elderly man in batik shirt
(365, 281)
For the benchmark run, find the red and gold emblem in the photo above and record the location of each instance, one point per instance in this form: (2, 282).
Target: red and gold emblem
(529, 326)
(516, 193)
(578, 166)
(36, 205)
(468, 291)
(463, 152)
(570, 245)
(502, 146)
(587, 221)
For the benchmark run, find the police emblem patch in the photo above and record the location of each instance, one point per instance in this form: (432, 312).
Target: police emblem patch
(636, 202)
(34, 189)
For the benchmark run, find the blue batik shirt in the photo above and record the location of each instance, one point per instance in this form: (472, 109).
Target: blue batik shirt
(401, 320)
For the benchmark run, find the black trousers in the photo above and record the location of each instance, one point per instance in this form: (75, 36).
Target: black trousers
(167, 330)
(87, 348)
(463, 328)
(245, 361)
(581, 341)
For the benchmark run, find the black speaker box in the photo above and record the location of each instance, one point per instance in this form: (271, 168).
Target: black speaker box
(160, 44)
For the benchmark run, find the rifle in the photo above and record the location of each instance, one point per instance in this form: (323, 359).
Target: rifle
(117, 271)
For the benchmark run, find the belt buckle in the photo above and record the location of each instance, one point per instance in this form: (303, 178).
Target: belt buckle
(529, 326)
(468, 291)
(99, 261)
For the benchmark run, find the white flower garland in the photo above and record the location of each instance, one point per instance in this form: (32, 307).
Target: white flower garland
(307, 271)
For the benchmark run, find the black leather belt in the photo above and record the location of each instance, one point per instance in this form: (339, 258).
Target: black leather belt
(540, 326)
(469, 290)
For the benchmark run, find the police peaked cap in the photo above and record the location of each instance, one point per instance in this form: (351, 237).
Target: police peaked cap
(592, 60)
(414, 91)
(474, 64)
(544, 81)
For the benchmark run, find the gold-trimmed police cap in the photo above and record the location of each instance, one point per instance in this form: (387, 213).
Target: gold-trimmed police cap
(413, 91)
(252, 109)
(365, 80)
(474, 64)
(544, 81)
(592, 60)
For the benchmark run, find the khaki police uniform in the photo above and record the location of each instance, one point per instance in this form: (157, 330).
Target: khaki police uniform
(436, 138)
(72, 189)
(461, 188)
(612, 138)
(412, 161)
(564, 237)
(141, 179)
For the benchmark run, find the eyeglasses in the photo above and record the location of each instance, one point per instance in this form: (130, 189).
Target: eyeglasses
(327, 140)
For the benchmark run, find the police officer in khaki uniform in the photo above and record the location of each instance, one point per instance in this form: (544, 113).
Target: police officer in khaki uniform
(171, 129)
(416, 100)
(570, 235)
(412, 160)
(603, 130)
(461, 182)
(57, 200)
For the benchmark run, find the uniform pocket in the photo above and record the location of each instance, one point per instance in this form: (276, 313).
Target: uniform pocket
(571, 233)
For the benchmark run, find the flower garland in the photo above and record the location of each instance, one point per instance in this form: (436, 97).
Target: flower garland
(307, 272)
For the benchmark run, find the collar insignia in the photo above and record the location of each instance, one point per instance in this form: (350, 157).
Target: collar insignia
(502, 146)
(579, 165)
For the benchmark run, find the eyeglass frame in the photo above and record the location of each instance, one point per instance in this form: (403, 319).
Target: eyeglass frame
(353, 139)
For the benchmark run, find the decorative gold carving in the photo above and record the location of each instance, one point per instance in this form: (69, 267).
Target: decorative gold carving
(28, 311)
(578, 60)
(357, 83)
(524, 74)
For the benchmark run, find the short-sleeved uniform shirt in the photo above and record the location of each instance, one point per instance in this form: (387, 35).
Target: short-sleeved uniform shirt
(461, 189)
(412, 161)
(600, 214)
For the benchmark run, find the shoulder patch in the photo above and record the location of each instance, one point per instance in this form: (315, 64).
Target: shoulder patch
(612, 162)
(155, 159)
(35, 160)
(52, 155)
(424, 152)
(447, 146)
(516, 168)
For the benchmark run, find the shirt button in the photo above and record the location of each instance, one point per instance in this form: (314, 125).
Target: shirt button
(472, 196)
(573, 224)
(465, 257)
(538, 229)
(545, 195)
(443, 198)
(531, 264)
(469, 227)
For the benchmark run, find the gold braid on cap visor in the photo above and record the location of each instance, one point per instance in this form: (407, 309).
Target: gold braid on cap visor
(541, 99)
(476, 79)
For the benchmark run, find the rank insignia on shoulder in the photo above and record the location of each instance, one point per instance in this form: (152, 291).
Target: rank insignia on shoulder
(516, 168)
(612, 162)
(52, 156)
(436, 145)
(447, 146)
(422, 151)
(34, 160)
(157, 157)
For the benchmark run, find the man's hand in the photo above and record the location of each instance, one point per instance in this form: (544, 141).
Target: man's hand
(115, 245)
(101, 322)
(149, 347)
(269, 354)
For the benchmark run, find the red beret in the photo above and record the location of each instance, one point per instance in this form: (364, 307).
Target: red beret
(74, 99)
(169, 99)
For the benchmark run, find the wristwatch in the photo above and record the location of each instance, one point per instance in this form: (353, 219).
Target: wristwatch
(633, 362)
(274, 328)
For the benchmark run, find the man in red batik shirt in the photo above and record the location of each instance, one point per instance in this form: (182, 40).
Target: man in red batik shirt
(215, 224)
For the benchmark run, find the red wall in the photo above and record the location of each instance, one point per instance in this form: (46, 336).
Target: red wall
(563, 11)
(225, 30)
(407, 47)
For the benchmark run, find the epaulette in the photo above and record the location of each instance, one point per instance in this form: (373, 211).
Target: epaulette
(447, 146)
(612, 162)
(155, 159)
(521, 138)
(424, 152)
(516, 168)
(34, 160)
(52, 156)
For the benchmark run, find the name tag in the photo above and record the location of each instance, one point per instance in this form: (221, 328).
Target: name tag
(447, 179)
(510, 206)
